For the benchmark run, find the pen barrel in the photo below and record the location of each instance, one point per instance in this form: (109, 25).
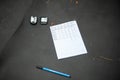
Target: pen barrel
(56, 72)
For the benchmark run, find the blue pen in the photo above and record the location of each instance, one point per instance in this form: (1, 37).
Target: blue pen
(54, 71)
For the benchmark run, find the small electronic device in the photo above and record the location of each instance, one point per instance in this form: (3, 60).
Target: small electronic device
(43, 20)
(33, 20)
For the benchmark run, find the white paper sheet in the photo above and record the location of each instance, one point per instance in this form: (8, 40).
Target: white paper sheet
(67, 40)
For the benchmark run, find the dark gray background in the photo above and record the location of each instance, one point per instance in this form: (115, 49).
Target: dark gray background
(23, 46)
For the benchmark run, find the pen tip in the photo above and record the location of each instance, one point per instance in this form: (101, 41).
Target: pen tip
(39, 67)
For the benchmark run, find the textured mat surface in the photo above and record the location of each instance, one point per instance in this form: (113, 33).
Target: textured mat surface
(30, 45)
(11, 15)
